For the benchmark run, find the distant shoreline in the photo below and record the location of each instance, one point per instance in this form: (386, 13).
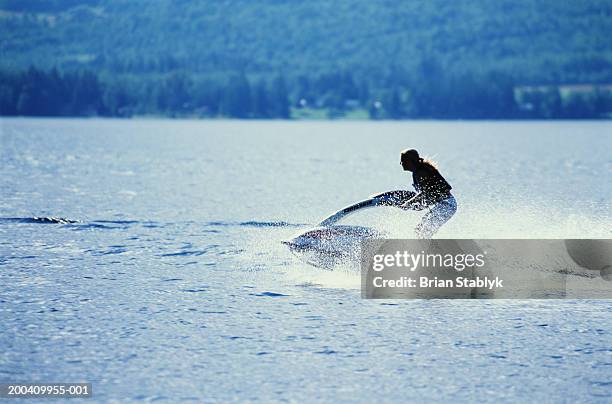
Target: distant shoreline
(343, 119)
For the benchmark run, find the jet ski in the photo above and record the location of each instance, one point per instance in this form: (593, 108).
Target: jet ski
(329, 244)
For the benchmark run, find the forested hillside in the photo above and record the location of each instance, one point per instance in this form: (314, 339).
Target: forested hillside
(246, 58)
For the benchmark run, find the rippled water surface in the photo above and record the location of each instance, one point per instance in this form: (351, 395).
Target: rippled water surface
(166, 278)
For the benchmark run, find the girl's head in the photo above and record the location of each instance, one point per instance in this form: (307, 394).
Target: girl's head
(410, 160)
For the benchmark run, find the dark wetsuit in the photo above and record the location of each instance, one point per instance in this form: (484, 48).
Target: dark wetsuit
(428, 181)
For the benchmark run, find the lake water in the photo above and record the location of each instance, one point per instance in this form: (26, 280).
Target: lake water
(172, 281)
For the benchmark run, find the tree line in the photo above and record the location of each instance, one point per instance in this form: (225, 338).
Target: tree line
(427, 94)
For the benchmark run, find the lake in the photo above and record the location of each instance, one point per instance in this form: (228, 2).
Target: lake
(167, 278)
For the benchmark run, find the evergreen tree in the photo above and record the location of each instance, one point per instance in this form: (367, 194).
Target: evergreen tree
(280, 99)
(236, 102)
(7, 103)
(393, 105)
(86, 94)
(177, 93)
(260, 100)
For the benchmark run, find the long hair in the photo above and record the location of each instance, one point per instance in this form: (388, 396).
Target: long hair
(413, 155)
(429, 162)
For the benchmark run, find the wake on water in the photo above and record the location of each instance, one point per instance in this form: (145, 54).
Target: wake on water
(338, 248)
(332, 254)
